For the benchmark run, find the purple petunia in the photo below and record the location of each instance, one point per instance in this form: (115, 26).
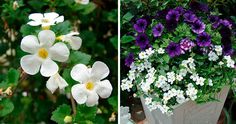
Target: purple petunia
(157, 30)
(198, 27)
(225, 23)
(198, 6)
(180, 9)
(228, 50)
(186, 44)
(173, 49)
(203, 40)
(172, 15)
(190, 17)
(142, 40)
(129, 59)
(140, 25)
(213, 18)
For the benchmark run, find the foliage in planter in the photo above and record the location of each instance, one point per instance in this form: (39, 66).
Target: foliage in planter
(177, 54)
(29, 101)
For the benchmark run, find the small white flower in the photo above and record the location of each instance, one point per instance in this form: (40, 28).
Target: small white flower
(183, 72)
(91, 83)
(125, 116)
(230, 63)
(72, 38)
(194, 77)
(56, 81)
(218, 50)
(200, 81)
(212, 56)
(145, 87)
(82, 1)
(190, 60)
(227, 58)
(43, 52)
(184, 63)
(165, 87)
(171, 77)
(220, 63)
(148, 100)
(210, 82)
(161, 51)
(142, 55)
(179, 77)
(46, 19)
(149, 51)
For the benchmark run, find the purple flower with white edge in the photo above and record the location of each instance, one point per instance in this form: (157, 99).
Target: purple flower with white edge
(140, 25)
(142, 41)
(157, 30)
(190, 17)
(173, 15)
(129, 59)
(203, 40)
(173, 49)
(198, 27)
(186, 44)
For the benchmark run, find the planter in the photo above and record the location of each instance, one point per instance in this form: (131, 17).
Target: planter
(190, 112)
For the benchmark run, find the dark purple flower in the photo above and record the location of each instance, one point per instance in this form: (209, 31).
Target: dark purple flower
(216, 24)
(203, 40)
(171, 25)
(226, 23)
(225, 32)
(190, 17)
(172, 15)
(186, 44)
(162, 13)
(129, 59)
(198, 27)
(228, 50)
(140, 25)
(198, 6)
(180, 9)
(157, 30)
(213, 18)
(173, 49)
(142, 40)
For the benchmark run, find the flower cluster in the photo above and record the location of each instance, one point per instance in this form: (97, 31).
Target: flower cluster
(46, 49)
(184, 54)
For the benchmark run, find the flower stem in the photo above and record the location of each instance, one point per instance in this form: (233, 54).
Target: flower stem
(73, 104)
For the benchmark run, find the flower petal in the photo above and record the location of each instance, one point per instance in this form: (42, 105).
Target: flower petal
(48, 68)
(99, 71)
(59, 19)
(51, 15)
(92, 99)
(61, 82)
(30, 64)
(29, 44)
(34, 23)
(80, 73)
(59, 52)
(79, 93)
(75, 43)
(51, 84)
(46, 37)
(82, 1)
(104, 89)
(36, 16)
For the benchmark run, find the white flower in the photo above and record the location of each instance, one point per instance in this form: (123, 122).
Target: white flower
(142, 55)
(125, 116)
(82, 1)
(230, 63)
(43, 52)
(200, 81)
(161, 51)
(45, 19)
(56, 81)
(184, 63)
(165, 87)
(171, 77)
(148, 100)
(183, 72)
(145, 86)
(90, 85)
(190, 60)
(179, 77)
(192, 93)
(220, 63)
(227, 58)
(210, 82)
(218, 50)
(149, 51)
(212, 56)
(74, 41)
(194, 77)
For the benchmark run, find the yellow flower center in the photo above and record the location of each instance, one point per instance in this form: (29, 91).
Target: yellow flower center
(45, 20)
(60, 37)
(45, 27)
(90, 85)
(43, 53)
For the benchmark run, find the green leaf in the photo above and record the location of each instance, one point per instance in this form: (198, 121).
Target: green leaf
(85, 114)
(114, 41)
(77, 57)
(28, 30)
(87, 9)
(127, 39)
(62, 28)
(113, 101)
(127, 17)
(6, 107)
(13, 76)
(59, 114)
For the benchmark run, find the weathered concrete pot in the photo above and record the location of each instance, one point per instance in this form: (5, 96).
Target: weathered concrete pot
(190, 112)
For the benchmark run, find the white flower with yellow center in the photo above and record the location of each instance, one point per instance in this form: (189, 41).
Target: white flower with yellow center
(56, 81)
(72, 38)
(82, 1)
(91, 83)
(42, 53)
(45, 20)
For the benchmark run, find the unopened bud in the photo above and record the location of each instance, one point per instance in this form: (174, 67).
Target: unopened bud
(15, 5)
(68, 119)
(8, 91)
(113, 117)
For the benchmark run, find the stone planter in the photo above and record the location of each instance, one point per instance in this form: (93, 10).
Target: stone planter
(190, 112)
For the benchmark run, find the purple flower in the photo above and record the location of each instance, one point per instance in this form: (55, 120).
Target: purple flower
(186, 44)
(172, 15)
(140, 25)
(173, 49)
(198, 27)
(157, 30)
(129, 59)
(225, 32)
(142, 40)
(190, 17)
(213, 18)
(228, 50)
(203, 40)
(226, 23)
(198, 6)
(216, 24)
(162, 13)
(180, 9)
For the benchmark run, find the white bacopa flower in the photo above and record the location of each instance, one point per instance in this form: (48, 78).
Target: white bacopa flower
(149, 51)
(183, 72)
(46, 19)
(190, 60)
(142, 55)
(82, 1)
(125, 116)
(56, 81)
(161, 51)
(72, 38)
(148, 100)
(43, 51)
(170, 77)
(179, 77)
(221, 63)
(91, 83)
(210, 82)
(212, 56)
(200, 81)
(194, 77)
(218, 50)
